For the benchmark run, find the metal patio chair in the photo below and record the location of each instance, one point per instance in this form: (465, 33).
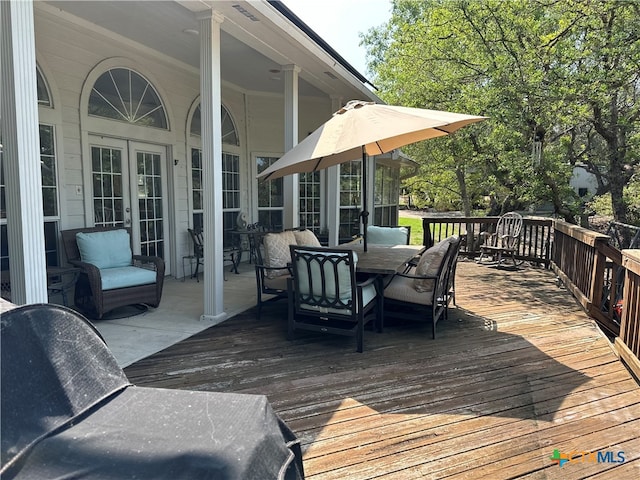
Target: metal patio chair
(325, 297)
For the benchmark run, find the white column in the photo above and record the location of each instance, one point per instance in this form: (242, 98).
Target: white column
(333, 188)
(212, 165)
(21, 145)
(291, 183)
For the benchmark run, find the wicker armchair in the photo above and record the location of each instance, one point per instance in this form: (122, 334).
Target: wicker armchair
(90, 296)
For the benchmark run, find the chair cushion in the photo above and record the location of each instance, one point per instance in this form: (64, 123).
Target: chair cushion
(120, 277)
(344, 285)
(402, 289)
(108, 249)
(429, 264)
(387, 235)
(276, 252)
(306, 238)
(277, 283)
(368, 295)
(344, 277)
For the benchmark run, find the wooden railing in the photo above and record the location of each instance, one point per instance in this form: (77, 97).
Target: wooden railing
(628, 343)
(604, 280)
(535, 240)
(592, 269)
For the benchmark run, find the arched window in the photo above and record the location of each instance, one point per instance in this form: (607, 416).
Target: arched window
(229, 133)
(44, 97)
(124, 95)
(230, 174)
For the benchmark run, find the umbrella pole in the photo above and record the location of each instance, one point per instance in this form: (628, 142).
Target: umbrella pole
(364, 214)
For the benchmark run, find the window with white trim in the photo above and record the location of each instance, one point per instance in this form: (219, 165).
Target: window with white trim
(230, 176)
(49, 175)
(270, 197)
(350, 198)
(124, 95)
(229, 131)
(386, 192)
(310, 201)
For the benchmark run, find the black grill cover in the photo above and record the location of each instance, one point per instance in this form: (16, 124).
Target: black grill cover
(68, 411)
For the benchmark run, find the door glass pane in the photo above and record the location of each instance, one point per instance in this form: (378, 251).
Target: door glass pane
(150, 203)
(107, 186)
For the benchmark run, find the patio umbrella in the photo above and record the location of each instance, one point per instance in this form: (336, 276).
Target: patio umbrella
(361, 129)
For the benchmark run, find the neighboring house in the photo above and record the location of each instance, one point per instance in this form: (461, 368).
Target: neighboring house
(159, 116)
(584, 183)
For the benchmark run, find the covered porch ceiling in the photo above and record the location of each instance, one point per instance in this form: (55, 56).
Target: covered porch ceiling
(256, 41)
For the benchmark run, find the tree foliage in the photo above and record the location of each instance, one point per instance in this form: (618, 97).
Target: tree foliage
(560, 74)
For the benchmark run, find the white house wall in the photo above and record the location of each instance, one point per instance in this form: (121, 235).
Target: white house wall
(69, 52)
(581, 178)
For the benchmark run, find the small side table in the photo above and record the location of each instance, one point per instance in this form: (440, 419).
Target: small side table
(60, 280)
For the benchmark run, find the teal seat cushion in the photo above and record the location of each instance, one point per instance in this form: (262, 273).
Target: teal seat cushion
(343, 283)
(121, 277)
(387, 235)
(108, 249)
(368, 295)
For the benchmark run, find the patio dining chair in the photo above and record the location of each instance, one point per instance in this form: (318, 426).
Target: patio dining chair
(229, 254)
(324, 295)
(273, 262)
(424, 291)
(389, 235)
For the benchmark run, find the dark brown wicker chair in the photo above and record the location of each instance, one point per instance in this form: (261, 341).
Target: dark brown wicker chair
(89, 295)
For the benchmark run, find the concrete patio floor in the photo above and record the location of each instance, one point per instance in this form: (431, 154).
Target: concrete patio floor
(178, 317)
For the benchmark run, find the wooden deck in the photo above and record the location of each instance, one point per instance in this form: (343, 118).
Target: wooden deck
(516, 372)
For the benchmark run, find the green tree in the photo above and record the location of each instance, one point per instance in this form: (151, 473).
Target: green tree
(541, 70)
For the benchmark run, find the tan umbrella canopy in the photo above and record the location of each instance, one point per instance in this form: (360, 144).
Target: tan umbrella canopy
(365, 128)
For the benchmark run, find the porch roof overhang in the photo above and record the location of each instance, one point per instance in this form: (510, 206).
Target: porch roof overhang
(258, 39)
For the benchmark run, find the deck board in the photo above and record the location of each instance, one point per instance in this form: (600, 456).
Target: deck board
(516, 371)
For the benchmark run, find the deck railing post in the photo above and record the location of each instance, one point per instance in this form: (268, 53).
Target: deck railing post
(628, 343)
(597, 278)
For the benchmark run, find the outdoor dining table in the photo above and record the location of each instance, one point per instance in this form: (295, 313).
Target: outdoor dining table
(382, 260)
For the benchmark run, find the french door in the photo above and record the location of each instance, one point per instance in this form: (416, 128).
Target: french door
(129, 188)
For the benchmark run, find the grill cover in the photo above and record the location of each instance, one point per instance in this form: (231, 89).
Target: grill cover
(68, 411)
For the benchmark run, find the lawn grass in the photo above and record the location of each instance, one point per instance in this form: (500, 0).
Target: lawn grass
(415, 223)
(416, 228)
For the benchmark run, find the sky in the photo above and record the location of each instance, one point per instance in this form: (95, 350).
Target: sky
(339, 23)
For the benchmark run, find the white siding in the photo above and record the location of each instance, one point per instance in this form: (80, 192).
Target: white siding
(71, 52)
